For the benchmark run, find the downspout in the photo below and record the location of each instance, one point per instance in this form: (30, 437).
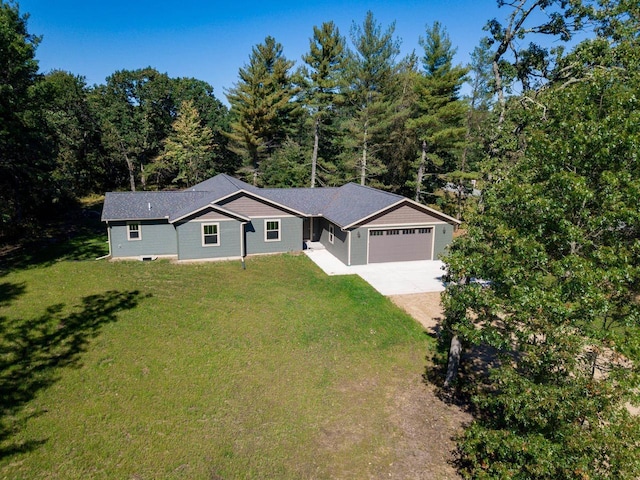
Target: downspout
(349, 249)
(109, 242)
(109, 238)
(243, 253)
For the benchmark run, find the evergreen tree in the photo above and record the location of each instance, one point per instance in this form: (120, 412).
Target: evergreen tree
(186, 156)
(370, 75)
(439, 122)
(262, 108)
(327, 60)
(213, 114)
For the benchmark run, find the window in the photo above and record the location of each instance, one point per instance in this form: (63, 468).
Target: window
(210, 236)
(133, 231)
(408, 231)
(376, 233)
(424, 230)
(272, 230)
(331, 233)
(393, 232)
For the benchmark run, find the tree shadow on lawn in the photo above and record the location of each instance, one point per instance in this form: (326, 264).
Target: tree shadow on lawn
(32, 352)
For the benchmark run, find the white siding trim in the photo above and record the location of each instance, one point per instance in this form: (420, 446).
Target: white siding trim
(129, 239)
(403, 225)
(217, 234)
(279, 230)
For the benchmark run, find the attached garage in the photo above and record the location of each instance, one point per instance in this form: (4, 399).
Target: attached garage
(400, 244)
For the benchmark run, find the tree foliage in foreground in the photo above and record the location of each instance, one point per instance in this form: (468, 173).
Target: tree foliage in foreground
(559, 242)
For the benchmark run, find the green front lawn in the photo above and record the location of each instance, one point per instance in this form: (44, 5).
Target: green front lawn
(153, 370)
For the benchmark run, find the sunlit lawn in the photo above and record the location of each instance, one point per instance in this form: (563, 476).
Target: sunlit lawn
(147, 370)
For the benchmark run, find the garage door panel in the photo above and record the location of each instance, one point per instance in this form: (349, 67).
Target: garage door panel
(400, 245)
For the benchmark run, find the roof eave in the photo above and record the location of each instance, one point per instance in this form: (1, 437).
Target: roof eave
(132, 219)
(218, 208)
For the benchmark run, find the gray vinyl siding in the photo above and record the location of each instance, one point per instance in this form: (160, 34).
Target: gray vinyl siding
(290, 236)
(158, 238)
(190, 241)
(359, 246)
(443, 237)
(340, 246)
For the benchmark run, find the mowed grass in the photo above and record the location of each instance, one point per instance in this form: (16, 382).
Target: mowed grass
(147, 370)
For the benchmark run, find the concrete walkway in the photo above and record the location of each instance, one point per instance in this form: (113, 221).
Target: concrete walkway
(394, 278)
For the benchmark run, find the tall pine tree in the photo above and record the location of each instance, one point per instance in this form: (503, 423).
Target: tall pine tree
(186, 156)
(326, 61)
(370, 96)
(439, 121)
(262, 107)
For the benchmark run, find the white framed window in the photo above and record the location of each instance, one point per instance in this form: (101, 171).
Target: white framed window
(332, 233)
(133, 231)
(272, 230)
(210, 234)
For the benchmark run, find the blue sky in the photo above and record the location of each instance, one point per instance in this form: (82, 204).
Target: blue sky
(211, 40)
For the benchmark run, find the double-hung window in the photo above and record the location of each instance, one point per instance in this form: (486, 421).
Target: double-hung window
(133, 231)
(210, 234)
(272, 230)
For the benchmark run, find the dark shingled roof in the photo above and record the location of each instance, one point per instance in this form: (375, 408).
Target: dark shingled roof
(344, 205)
(355, 202)
(223, 185)
(310, 201)
(149, 205)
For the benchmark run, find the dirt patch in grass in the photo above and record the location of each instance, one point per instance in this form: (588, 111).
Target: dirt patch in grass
(427, 425)
(424, 307)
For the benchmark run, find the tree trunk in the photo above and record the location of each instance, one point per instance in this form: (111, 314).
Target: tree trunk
(420, 174)
(314, 156)
(455, 350)
(363, 165)
(132, 173)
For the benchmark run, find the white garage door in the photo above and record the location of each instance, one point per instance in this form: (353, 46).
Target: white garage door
(400, 244)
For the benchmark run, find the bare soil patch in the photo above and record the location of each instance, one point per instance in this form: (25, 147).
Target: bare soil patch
(425, 448)
(428, 425)
(424, 307)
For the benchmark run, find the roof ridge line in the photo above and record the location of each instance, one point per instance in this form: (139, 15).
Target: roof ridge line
(379, 190)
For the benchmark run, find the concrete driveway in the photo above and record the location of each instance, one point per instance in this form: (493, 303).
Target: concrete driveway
(394, 278)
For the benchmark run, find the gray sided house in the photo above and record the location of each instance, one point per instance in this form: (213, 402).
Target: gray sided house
(225, 218)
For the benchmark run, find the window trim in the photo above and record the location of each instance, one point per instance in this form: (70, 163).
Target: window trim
(266, 230)
(217, 234)
(332, 233)
(137, 230)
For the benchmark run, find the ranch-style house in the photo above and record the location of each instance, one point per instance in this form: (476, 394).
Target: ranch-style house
(226, 218)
